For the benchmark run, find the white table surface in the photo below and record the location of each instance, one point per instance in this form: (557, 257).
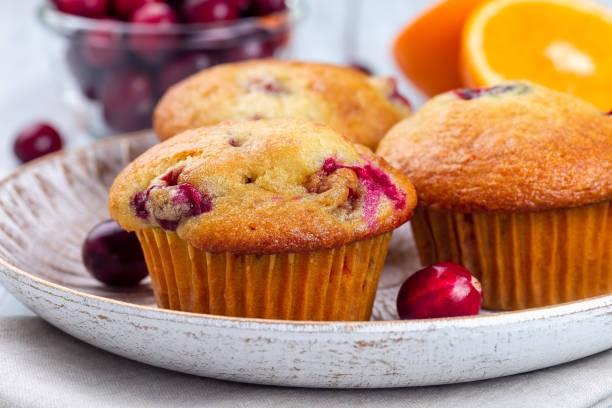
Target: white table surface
(29, 90)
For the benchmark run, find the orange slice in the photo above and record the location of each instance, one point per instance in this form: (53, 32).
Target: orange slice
(562, 44)
(427, 50)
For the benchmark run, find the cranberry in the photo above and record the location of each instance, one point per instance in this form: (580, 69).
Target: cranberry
(468, 94)
(172, 176)
(208, 11)
(84, 8)
(85, 75)
(153, 46)
(168, 205)
(376, 183)
(242, 5)
(125, 8)
(181, 67)
(266, 84)
(251, 48)
(444, 289)
(609, 113)
(101, 47)
(154, 13)
(127, 100)
(114, 256)
(262, 7)
(35, 141)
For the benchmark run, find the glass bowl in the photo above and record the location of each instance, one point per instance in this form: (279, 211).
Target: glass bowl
(115, 71)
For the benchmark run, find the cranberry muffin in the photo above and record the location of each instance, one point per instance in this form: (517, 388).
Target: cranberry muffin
(515, 183)
(359, 106)
(281, 219)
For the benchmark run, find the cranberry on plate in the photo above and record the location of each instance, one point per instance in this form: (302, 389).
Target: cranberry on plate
(114, 256)
(36, 141)
(444, 289)
(83, 8)
(127, 100)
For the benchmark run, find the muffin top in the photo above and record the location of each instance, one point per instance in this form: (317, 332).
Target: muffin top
(512, 147)
(359, 106)
(265, 186)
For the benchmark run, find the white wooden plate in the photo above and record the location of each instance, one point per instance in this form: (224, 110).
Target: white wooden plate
(47, 207)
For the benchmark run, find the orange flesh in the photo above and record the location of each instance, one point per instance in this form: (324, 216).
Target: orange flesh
(519, 41)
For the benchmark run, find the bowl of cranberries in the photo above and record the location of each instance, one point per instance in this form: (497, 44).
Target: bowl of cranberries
(120, 56)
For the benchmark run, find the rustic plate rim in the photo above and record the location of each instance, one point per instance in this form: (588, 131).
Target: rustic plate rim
(515, 316)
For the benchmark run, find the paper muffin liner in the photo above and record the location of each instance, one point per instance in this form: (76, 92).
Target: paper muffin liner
(333, 284)
(524, 259)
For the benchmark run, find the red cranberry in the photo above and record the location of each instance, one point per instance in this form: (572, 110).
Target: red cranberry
(84, 8)
(127, 100)
(181, 67)
(209, 11)
(444, 289)
(113, 256)
(85, 75)
(242, 5)
(125, 8)
(251, 48)
(152, 46)
(183, 200)
(172, 176)
(101, 47)
(262, 7)
(376, 182)
(154, 13)
(266, 84)
(468, 94)
(36, 141)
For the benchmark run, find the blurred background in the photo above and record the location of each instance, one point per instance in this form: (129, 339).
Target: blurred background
(33, 84)
(37, 74)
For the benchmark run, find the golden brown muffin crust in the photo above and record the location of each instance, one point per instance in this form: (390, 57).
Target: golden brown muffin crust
(266, 186)
(523, 148)
(359, 106)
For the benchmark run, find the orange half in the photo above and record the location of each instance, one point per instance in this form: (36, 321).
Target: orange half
(427, 50)
(563, 44)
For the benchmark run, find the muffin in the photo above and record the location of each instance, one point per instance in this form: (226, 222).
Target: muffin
(514, 182)
(359, 106)
(282, 219)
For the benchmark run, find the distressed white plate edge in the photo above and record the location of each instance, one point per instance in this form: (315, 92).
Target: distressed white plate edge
(327, 355)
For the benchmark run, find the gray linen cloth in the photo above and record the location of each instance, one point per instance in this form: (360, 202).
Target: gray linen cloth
(41, 366)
